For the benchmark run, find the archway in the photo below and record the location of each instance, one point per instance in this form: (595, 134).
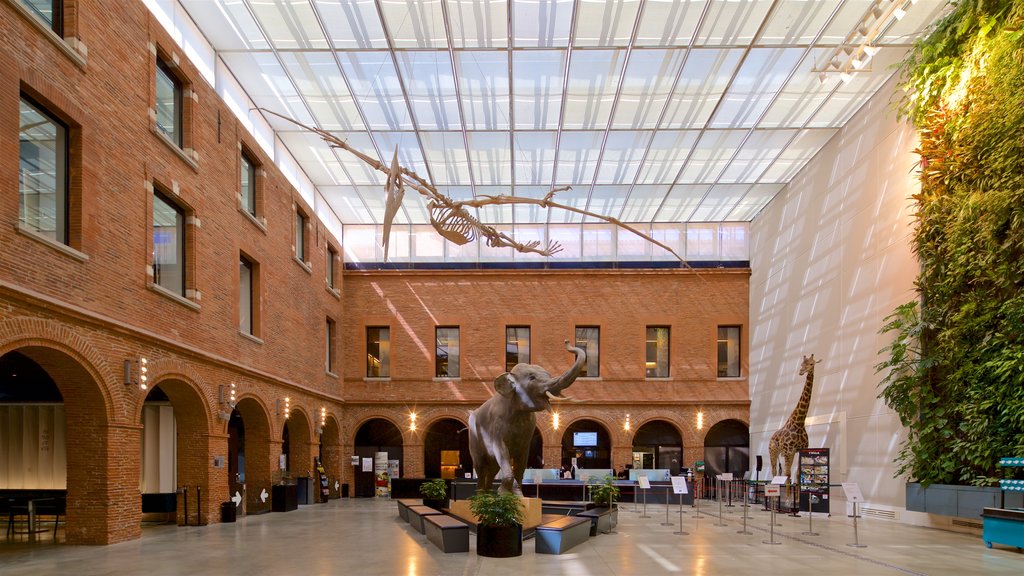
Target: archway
(249, 453)
(727, 449)
(658, 444)
(375, 436)
(589, 443)
(57, 416)
(446, 450)
(296, 445)
(536, 457)
(174, 453)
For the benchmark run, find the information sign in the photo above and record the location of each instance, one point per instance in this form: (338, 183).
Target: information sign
(727, 477)
(679, 485)
(644, 481)
(779, 479)
(771, 490)
(853, 493)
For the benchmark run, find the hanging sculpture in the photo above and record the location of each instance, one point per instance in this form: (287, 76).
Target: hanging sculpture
(451, 218)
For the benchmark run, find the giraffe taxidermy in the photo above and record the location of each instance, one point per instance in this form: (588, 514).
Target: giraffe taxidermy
(792, 437)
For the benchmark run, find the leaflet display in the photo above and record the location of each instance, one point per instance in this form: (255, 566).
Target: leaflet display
(814, 479)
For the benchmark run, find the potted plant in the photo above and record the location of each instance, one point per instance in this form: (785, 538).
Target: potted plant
(435, 493)
(604, 495)
(499, 531)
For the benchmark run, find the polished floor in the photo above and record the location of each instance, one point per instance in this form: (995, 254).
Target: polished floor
(367, 537)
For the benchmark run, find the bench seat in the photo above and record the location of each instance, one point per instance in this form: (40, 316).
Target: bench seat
(403, 507)
(416, 514)
(447, 533)
(560, 535)
(601, 520)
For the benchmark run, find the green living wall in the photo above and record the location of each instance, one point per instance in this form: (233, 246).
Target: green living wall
(955, 370)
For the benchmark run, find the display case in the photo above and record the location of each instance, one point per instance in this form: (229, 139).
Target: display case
(814, 479)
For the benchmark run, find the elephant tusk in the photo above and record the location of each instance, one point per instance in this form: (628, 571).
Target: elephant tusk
(560, 398)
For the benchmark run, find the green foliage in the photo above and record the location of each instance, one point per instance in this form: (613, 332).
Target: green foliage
(605, 493)
(954, 372)
(497, 508)
(436, 489)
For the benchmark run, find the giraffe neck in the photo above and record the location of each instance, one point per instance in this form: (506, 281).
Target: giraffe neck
(800, 412)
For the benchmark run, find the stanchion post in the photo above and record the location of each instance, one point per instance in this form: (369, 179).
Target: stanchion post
(856, 541)
(718, 491)
(644, 515)
(811, 500)
(668, 504)
(679, 532)
(744, 531)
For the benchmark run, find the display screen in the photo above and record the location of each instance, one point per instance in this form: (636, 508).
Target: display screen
(584, 438)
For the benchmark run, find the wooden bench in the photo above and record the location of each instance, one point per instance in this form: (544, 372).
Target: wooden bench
(416, 514)
(403, 507)
(447, 533)
(562, 534)
(601, 520)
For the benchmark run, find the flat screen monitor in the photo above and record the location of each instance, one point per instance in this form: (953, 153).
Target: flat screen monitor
(584, 438)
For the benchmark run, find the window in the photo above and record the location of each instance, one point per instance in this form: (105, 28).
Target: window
(247, 186)
(49, 11)
(168, 103)
(332, 256)
(728, 351)
(329, 355)
(246, 296)
(517, 346)
(168, 244)
(588, 338)
(43, 173)
(378, 352)
(300, 235)
(446, 360)
(657, 352)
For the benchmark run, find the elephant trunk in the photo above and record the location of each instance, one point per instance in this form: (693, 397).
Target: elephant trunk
(559, 383)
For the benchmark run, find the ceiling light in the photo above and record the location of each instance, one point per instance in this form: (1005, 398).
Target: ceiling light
(822, 77)
(845, 77)
(835, 63)
(863, 29)
(857, 63)
(899, 13)
(876, 11)
(871, 50)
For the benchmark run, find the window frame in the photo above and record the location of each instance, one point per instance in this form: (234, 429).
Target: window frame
(247, 195)
(255, 317)
(301, 238)
(181, 228)
(383, 350)
(62, 190)
(167, 68)
(519, 352)
(585, 372)
(448, 374)
(56, 21)
(330, 336)
(738, 352)
(331, 271)
(662, 357)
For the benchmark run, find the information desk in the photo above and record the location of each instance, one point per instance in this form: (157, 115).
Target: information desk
(578, 491)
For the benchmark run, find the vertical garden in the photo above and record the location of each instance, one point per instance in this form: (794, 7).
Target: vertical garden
(955, 369)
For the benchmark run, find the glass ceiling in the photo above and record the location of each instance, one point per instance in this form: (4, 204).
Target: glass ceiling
(654, 111)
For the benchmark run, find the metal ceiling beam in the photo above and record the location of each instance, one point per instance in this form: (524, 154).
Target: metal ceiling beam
(561, 110)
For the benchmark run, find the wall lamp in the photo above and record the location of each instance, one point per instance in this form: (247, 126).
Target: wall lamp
(287, 407)
(554, 420)
(700, 420)
(626, 426)
(323, 420)
(412, 421)
(139, 375)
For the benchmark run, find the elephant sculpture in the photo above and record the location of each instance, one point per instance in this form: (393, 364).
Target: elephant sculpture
(500, 430)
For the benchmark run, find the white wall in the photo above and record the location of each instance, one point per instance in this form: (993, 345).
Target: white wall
(830, 258)
(33, 446)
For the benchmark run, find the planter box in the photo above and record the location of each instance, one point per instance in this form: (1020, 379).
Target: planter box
(952, 500)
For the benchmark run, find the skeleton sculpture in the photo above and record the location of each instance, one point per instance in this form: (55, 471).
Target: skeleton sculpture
(449, 217)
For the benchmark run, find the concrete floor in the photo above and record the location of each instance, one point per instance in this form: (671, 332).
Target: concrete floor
(367, 537)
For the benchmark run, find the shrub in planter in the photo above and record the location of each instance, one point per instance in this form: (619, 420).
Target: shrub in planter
(435, 493)
(499, 532)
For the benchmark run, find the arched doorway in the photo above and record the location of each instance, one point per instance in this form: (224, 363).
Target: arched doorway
(174, 454)
(658, 444)
(536, 457)
(375, 436)
(446, 450)
(296, 446)
(57, 417)
(727, 449)
(589, 443)
(249, 454)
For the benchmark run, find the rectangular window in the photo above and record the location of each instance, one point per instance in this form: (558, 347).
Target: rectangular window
(329, 355)
(168, 103)
(300, 236)
(49, 11)
(245, 295)
(168, 244)
(589, 339)
(657, 352)
(378, 352)
(517, 346)
(248, 184)
(332, 256)
(446, 361)
(728, 351)
(43, 173)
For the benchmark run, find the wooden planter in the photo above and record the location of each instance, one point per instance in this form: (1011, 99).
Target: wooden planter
(499, 541)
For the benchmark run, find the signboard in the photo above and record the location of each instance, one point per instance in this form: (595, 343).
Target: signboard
(644, 481)
(367, 464)
(771, 490)
(699, 466)
(853, 493)
(679, 485)
(727, 477)
(780, 480)
(813, 467)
